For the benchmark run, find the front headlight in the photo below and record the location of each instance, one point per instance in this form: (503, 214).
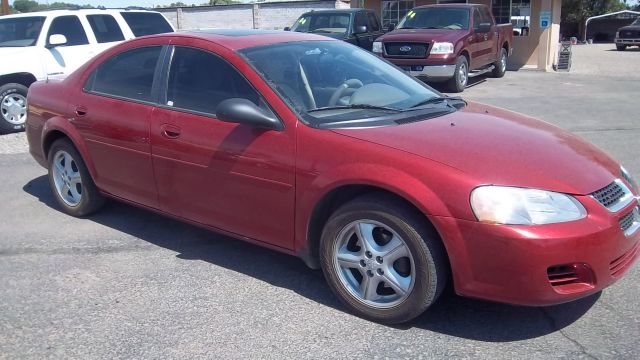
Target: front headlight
(442, 48)
(521, 206)
(617, 34)
(627, 176)
(377, 47)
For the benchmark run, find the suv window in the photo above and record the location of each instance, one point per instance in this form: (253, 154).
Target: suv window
(105, 27)
(21, 31)
(71, 27)
(373, 22)
(146, 23)
(127, 75)
(199, 81)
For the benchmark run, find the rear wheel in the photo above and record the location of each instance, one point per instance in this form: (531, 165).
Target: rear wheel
(621, 47)
(13, 107)
(70, 180)
(381, 259)
(500, 66)
(460, 77)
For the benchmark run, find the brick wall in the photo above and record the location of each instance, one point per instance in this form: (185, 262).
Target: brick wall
(269, 15)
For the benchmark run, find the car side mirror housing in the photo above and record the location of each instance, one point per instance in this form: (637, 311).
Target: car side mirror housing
(484, 27)
(56, 40)
(391, 26)
(286, 28)
(360, 29)
(245, 112)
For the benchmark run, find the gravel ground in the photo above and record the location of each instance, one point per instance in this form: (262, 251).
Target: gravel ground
(13, 143)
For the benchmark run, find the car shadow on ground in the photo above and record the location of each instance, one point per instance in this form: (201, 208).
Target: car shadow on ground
(474, 81)
(630, 49)
(452, 315)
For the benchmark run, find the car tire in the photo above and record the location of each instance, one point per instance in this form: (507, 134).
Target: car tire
(407, 279)
(70, 181)
(500, 66)
(460, 77)
(621, 47)
(13, 107)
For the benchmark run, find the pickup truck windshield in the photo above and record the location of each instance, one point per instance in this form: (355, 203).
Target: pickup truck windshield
(436, 18)
(20, 31)
(637, 22)
(328, 82)
(322, 23)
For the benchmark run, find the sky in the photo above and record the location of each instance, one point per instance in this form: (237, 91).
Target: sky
(121, 3)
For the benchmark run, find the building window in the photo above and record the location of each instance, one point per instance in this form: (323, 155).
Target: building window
(393, 11)
(516, 12)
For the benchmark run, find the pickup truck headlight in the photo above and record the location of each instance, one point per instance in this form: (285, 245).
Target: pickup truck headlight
(617, 34)
(377, 47)
(627, 176)
(442, 48)
(522, 206)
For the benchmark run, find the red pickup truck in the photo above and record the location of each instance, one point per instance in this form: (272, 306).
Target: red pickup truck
(448, 43)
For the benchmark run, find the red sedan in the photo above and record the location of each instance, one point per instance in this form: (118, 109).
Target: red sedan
(317, 148)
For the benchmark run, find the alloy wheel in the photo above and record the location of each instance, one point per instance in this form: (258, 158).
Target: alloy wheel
(14, 108)
(67, 178)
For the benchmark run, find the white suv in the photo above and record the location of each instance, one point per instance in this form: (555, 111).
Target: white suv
(52, 44)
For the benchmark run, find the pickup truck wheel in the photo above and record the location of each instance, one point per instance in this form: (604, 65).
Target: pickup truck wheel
(381, 260)
(70, 180)
(500, 66)
(621, 47)
(13, 107)
(460, 77)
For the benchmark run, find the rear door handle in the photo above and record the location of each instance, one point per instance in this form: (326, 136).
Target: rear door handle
(170, 131)
(81, 111)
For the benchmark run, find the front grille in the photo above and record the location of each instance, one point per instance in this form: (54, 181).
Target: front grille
(614, 196)
(627, 34)
(630, 221)
(406, 49)
(618, 266)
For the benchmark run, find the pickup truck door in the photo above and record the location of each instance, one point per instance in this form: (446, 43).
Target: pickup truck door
(488, 47)
(63, 59)
(365, 39)
(477, 42)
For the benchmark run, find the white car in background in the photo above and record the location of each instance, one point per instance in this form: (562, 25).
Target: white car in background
(52, 44)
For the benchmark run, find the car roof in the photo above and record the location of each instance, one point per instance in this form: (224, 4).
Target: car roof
(336, 11)
(72, 12)
(236, 39)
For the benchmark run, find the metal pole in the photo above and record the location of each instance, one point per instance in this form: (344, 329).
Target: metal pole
(5, 7)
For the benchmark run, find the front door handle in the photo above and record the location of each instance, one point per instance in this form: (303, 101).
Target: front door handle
(170, 131)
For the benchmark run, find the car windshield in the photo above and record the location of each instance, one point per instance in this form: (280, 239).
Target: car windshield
(322, 23)
(436, 18)
(332, 81)
(637, 22)
(20, 31)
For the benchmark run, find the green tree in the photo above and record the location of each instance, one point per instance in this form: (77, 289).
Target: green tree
(578, 11)
(24, 6)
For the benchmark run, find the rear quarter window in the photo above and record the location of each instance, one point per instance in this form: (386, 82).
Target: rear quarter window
(146, 23)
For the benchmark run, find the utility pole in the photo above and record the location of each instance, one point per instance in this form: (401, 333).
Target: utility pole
(5, 7)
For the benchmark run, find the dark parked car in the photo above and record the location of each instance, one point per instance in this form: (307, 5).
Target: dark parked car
(356, 26)
(320, 149)
(628, 36)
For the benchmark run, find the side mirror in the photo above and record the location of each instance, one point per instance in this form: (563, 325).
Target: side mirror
(286, 28)
(243, 111)
(484, 27)
(360, 29)
(391, 27)
(56, 40)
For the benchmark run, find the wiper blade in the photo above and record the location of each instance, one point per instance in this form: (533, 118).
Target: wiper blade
(356, 106)
(437, 99)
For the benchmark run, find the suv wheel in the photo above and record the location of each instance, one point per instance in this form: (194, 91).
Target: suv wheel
(13, 107)
(460, 77)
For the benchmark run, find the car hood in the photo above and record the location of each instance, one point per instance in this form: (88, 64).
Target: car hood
(496, 146)
(423, 35)
(7, 53)
(630, 27)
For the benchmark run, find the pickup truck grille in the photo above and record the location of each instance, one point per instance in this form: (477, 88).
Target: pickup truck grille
(629, 34)
(406, 49)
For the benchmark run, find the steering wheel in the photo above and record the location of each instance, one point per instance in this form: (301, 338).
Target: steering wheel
(351, 83)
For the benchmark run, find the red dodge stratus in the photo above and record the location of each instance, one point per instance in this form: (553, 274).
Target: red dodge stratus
(315, 147)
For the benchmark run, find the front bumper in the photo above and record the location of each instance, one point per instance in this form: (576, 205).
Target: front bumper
(540, 265)
(631, 42)
(432, 72)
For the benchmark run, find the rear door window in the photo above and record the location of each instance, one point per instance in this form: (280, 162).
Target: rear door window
(106, 28)
(146, 23)
(71, 27)
(127, 75)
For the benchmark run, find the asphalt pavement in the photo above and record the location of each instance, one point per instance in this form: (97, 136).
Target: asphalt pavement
(126, 283)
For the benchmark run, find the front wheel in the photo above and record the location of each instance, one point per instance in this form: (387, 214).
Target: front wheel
(13, 107)
(500, 66)
(381, 259)
(460, 77)
(70, 180)
(621, 47)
